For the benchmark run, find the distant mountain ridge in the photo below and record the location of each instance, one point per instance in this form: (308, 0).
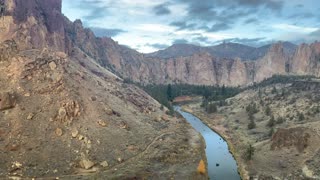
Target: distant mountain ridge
(226, 64)
(224, 50)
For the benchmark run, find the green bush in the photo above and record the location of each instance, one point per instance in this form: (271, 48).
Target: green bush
(251, 124)
(268, 111)
(271, 122)
(249, 153)
(212, 108)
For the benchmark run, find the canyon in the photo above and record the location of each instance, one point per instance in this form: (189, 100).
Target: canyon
(64, 116)
(46, 26)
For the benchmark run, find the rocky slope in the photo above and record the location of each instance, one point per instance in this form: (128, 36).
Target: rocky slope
(62, 115)
(68, 117)
(285, 147)
(45, 26)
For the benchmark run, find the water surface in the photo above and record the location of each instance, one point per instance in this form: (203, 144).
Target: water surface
(221, 164)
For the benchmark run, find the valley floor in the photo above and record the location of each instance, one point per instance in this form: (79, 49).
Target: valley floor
(288, 147)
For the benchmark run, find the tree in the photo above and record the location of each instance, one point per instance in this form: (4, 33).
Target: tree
(274, 90)
(271, 132)
(280, 120)
(268, 111)
(260, 93)
(223, 90)
(252, 124)
(300, 116)
(212, 108)
(252, 108)
(169, 92)
(283, 93)
(249, 152)
(271, 122)
(204, 103)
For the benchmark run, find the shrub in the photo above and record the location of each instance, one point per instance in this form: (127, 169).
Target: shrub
(268, 111)
(280, 120)
(201, 167)
(249, 153)
(212, 108)
(252, 124)
(271, 122)
(271, 131)
(274, 90)
(300, 116)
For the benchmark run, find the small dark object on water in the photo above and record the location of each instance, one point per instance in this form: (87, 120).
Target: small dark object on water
(217, 164)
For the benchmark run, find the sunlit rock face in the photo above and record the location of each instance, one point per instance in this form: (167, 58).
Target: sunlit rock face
(40, 24)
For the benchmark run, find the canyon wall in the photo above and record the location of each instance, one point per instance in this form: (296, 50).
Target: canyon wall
(41, 24)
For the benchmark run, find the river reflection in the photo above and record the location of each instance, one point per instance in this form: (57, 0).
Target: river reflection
(221, 164)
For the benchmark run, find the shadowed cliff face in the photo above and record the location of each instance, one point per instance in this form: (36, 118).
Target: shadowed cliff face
(45, 26)
(48, 11)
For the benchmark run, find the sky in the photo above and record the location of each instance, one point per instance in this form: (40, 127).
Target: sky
(151, 25)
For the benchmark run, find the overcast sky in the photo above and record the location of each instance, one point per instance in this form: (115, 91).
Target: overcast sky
(150, 25)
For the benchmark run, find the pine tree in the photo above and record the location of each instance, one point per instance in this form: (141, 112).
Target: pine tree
(252, 124)
(249, 152)
(169, 92)
(268, 111)
(271, 122)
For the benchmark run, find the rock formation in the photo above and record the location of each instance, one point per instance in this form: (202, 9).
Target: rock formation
(45, 26)
(64, 115)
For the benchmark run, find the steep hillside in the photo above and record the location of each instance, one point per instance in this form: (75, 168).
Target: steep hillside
(224, 50)
(47, 27)
(230, 50)
(288, 49)
(63, 115)
(177, 50)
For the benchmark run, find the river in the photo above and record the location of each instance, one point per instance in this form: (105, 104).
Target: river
(221, 164)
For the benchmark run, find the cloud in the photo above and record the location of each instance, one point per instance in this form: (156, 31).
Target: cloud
(219, 27)
(162, 9)
(294, 28)
(180, 41)
(182, 25)
(251, 21)
(299, 6)
(96, 9)
(154, 28)
(148, 25)
(255, 42)
(208, 9)
(316, 34)
(103, 32)
(158, 45)
(302, 15)
(96, 13)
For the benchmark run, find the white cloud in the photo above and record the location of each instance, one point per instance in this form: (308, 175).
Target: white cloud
(294, 28)
(154, 28)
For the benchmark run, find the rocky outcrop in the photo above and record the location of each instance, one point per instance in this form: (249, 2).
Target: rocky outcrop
(40, 24)
(306, 60)
(68, 116)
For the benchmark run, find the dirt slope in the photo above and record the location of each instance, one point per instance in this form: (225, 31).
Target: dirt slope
(67, 117)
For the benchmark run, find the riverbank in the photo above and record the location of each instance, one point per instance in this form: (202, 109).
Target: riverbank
(222, 132)
(285, 135)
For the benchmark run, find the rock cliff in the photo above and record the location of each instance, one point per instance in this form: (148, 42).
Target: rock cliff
(62, 115)
(45, 26)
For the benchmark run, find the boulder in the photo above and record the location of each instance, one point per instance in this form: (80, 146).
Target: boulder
(7, 101)
(86, 164)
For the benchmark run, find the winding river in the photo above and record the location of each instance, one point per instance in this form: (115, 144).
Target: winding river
(221, 164)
